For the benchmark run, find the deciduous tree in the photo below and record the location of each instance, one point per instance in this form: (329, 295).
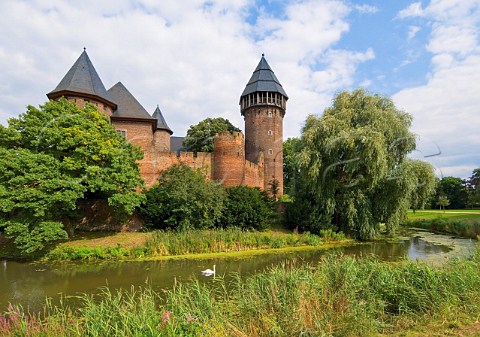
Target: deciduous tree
(291, 149)
(352, 164)
(53, 157)
(247, 208)
(422, 174)
(182, 200)
(200, 136)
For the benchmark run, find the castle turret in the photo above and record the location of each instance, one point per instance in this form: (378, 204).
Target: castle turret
(229, 159)
(82, 84)
(263, 105)
(162, 132)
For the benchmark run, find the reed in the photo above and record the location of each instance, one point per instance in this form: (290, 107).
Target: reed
(171, 243)
(467, 228)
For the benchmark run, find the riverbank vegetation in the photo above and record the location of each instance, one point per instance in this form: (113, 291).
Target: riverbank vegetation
(463, 223)
(173, 243)
(341, 296)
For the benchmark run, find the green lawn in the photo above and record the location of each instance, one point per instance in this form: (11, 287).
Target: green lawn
(448, 214)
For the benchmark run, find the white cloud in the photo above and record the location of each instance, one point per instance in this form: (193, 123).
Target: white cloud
(413, 10)
(447, 108)
(412, 31)
(367, 9)
(191, 57)
(458, 39)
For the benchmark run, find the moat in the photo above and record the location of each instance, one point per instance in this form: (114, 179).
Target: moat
(29, 284)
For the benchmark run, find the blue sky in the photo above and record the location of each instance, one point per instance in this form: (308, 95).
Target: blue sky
(194, 57)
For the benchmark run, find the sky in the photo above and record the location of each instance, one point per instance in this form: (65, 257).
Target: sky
(194, 57)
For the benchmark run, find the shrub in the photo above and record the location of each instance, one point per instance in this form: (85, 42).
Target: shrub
(182, 199)
(247, 208)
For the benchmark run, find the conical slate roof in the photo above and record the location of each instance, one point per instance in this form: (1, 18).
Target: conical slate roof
(82, 78)
(161, 123)
(128, 106)
(263, 79)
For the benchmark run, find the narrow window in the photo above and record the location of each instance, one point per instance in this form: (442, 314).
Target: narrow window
(122, 132)
(270, 151)
(270, 132)
(269, 114)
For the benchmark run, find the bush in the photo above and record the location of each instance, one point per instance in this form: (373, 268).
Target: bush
(247, 208)
(182, 199)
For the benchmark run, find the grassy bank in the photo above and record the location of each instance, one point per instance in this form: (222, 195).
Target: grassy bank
(463, 223)
(172, 243)
(340, 296)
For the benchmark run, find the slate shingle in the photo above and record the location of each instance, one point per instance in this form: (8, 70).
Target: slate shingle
(82, 78)
(128, 106)
(263, 79)
(161, 123)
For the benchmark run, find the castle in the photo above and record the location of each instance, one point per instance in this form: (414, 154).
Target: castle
(255, 161)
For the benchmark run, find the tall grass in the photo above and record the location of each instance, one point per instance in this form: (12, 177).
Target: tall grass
(232, 239)
(467, 228)
(168, 243)
(341, 296)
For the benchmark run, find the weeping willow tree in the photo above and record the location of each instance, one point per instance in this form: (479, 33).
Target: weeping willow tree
(353, 167)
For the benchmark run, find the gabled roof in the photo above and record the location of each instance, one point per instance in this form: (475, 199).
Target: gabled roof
(82, 78)
(263, 79)
(161, 123)
(128, 106)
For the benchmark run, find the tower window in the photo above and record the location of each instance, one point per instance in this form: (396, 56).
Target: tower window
(270, 151)
(270, 132)
(269, 114)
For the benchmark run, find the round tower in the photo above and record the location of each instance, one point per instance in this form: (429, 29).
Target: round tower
(263, 106)
(229, 159)
(82, 84)
(162, 132)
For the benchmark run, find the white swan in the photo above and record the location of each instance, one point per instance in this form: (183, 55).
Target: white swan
(209, 272)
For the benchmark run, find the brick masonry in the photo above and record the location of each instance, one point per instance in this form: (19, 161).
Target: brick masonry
(264, 137)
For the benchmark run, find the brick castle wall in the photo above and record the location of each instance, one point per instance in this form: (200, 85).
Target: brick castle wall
(227, 164)
(229, 158)
(80, 102)
(162, 140)
(264, 134)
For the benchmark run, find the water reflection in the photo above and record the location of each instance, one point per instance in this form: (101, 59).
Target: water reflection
(30, 284)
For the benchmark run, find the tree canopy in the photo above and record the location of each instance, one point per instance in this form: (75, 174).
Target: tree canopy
(53, 157)
(454, 189)
(353, 166)
(200, 136)
(473, 188)
(247, 208)
(423, 177)
(182, 199)
(291, 149)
